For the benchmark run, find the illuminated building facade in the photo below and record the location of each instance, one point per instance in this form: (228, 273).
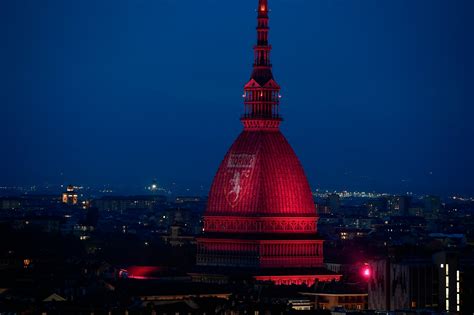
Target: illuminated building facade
(441, 282)
(260, 213)
(70, 196)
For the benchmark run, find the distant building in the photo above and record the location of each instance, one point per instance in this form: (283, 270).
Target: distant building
(450, 240)
(350, 233)
(323, 209)
(123, 203)
(334, 203)
(416, 212)
(337, 295)
(432, 206)
(353, 210)
(70, 196)
(10, 203)
(45, 223)
(399, 205)
(377, 207)
(31, 202)
(189, 199)
(359, 222)
(196, 204)
(178, 236)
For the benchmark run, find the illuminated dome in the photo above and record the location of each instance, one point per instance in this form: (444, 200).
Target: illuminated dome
(261, 176)
(260, 215)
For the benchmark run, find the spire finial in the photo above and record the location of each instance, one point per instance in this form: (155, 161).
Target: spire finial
(262, 49)
(262, 93)
(263, 7)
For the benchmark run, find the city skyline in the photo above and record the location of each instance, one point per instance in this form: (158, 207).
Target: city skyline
(107, 95)
(346, 189)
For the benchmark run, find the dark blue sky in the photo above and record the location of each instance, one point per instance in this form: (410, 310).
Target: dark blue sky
(377, 94)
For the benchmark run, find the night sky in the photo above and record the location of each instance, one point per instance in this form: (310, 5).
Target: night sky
(377, 94)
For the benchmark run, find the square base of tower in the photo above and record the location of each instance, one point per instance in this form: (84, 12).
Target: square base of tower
(254, 251)
(296, 276)
(277, 276)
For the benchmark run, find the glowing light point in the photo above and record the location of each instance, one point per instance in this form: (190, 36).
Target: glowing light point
(366, 271)
(263, 5)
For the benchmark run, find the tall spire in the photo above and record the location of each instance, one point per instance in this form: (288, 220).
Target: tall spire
(262, 93)
(262, 49)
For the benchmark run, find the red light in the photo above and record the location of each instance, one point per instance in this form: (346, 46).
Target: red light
(366, 272)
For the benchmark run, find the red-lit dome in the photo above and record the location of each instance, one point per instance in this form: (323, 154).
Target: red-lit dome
(261, 176)
(260, 213)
